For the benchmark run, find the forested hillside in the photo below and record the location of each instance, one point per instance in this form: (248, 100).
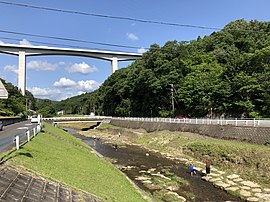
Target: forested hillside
(227, 71)
(15, 105)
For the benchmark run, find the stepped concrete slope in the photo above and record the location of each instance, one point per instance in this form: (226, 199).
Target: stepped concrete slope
(22, 186)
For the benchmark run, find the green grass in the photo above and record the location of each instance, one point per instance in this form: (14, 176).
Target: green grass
(106, 126)
(77, 126)
(74, 166)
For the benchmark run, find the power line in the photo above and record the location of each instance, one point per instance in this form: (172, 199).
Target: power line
(108, 16)
(68, 39)
(104, 16)
(53, 44)
(124, 18)
(119, 18)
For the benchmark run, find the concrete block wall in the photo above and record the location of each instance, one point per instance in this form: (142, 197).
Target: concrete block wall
(8, 121)
(257, 135)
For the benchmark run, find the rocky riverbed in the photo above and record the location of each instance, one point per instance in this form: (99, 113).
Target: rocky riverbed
(232, 183)
(165, 177)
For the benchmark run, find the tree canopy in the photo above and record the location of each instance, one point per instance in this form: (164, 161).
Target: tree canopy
(227, 72)
(16, 104)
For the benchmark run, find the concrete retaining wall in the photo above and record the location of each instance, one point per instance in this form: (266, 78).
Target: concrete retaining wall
(257, 135)
(8, 121)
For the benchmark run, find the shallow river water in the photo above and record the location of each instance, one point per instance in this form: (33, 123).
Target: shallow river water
(137, 162)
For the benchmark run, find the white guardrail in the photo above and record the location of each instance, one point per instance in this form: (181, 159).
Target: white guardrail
(234, 122)
(76, 118)
(28, 135)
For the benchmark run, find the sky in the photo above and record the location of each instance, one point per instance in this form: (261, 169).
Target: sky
(60, 77)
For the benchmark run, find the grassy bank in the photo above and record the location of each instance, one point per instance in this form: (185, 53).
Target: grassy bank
(71, 162)
(251, 161)
(77, 126)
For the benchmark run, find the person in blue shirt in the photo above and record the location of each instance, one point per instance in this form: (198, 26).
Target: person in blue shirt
(192, 170)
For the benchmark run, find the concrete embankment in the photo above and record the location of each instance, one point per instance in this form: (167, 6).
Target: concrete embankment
(257, 135)
(20, 185)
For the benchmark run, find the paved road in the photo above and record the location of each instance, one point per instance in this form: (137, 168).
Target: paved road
(19, 185)
(9, 132)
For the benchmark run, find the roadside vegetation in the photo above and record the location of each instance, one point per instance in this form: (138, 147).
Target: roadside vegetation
(250, 161)
(15, 105)
(71, 162)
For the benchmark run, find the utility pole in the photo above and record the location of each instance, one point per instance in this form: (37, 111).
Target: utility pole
(172, 99)
(29, 105)
(26, 105)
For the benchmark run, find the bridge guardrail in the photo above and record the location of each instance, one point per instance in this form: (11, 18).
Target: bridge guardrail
(20, 137)
(233, 122)
(76, 118)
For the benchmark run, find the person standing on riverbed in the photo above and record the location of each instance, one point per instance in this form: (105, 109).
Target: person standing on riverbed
(192, 170)
(207, 167)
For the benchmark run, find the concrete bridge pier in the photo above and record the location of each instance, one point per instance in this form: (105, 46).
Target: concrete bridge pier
(114, 64)
(23, 51)
(22, 72)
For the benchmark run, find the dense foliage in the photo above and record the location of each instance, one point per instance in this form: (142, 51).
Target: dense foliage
(81, 104)
(46, 107)
(16, 104)
(225, 74)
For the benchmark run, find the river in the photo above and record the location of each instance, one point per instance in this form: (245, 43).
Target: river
(157, 175)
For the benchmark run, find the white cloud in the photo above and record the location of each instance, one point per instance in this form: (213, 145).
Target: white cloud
(81, 68)
(81, 92)
(11, 68)
(68, 89)
(25, 42)
(132, 37)
(65, 88)
(64, 83)
(40, 92)
(39, 65)
(62, 63)
(88, 85)
(1, 42)
(80, 86)
(52, 94)
(141, 50)
(36, 65)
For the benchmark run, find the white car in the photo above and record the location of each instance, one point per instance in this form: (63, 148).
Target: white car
(34, 119)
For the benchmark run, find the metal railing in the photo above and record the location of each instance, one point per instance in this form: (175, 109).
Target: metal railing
(28, 135)
(86, 117)
(205, 121)
(20, 138)
(234, 122)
